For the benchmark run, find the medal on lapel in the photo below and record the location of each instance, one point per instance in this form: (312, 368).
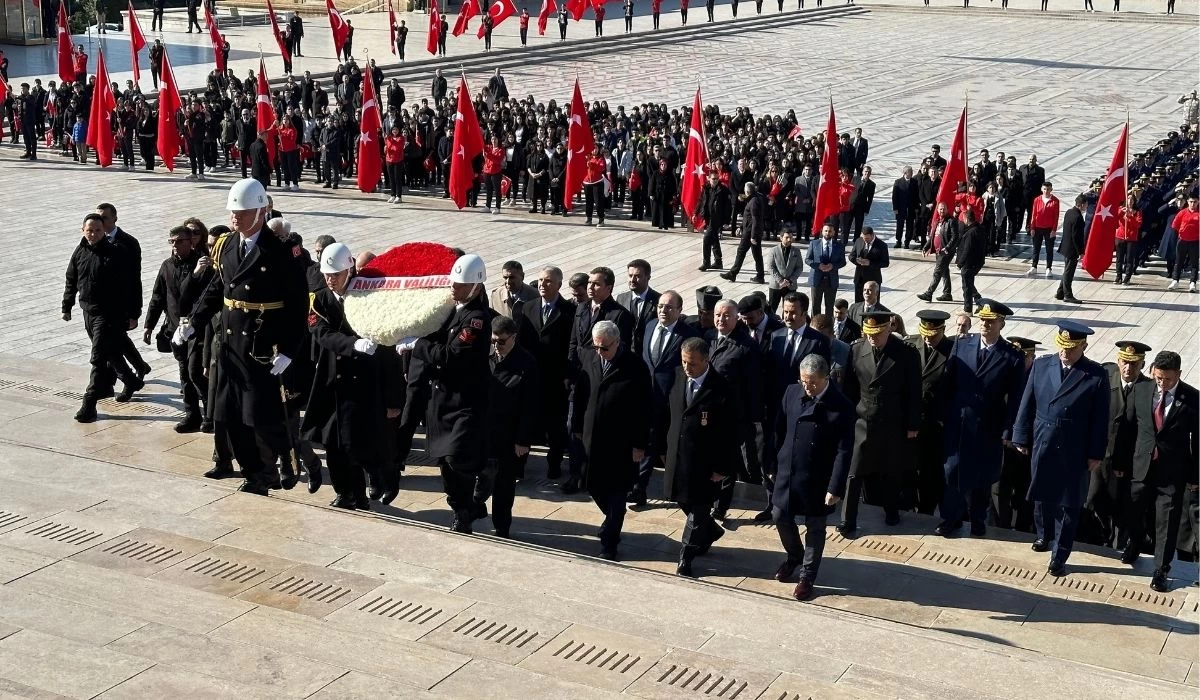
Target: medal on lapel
(703, 418)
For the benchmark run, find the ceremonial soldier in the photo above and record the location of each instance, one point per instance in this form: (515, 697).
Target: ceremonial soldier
(927, 482)
(1108, 487)
(984, 377)
(1012, 509)
(883, 379)
(1063, 425)
(701, 447)
(261, 294)
(513, 416)
(455, 359)
(355, 389)
(816, 437)
(1158, 447)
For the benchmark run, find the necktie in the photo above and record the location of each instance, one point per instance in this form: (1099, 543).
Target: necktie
(637, 307)
(837, 329)
(245, 248)
(660, 342)
(793, 343)
(1125, 391)
(877, 353)
(691, 391)
(982, 356)
(605, 365)
(546, 309)
(1065, 371)
(1160, 411)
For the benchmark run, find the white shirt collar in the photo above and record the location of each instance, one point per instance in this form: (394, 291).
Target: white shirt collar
(251, 240)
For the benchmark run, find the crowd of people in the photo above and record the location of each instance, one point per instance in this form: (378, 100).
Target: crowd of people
(818, 407)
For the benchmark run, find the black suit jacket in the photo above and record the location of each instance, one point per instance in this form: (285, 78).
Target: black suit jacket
(547, 342)
(702, 439)
(581, 332)
(851, 330)
(1073, 239)
(864, 195)
(876, 254)
(1173, 448)
(648, 313)
(739, 360)
(904, 196)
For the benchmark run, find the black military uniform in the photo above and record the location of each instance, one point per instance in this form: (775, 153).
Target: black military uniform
(455, 359)
(923, 485)
(1009, 505)
(706, 303)
(175, 291)
(513, 418)
(260, 293)
(347, 405)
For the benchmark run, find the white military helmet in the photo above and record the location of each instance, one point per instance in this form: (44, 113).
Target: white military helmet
(246, 194)
(336, 258)
(469, 269)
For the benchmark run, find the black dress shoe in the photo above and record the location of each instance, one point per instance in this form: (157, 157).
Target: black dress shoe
(803, 590)
(1057, 569)
(763, 516)
(1040, 545)
(143, 370)
(86, 413)
(892, 518)
(1159, 581)
(374, 493)
(479, 511)
(553, 473)
(362, 502)
(346, 502)
(130, 389)
(978, 529)
(389, 496)
(1072, 300)
(207, 426)
(636, 497)
(703, 268)
(786, 571)
(945, 297)
(702, 550)
(947, 530)
(609, 553)
(189, 424)
(720, 513)
(570, 486)
(685, 569)
(219, 470)
(287, 476)
(728, 276)
(757, 280)
(925, 296)
(461, 522)
(846, 530)
(1130, 555)
(253, 487)
(314, 476)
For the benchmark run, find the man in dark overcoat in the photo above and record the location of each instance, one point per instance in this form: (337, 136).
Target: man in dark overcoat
(513, 417)
(925, 480)
(544, 328)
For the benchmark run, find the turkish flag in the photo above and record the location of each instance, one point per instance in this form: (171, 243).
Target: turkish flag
(469, 9)
(795, 133)
(392, 25)
(66, 69)
(692, 184)
(275, 30)
(577, 8)
(99, 130)
(827, 192)
(265, 116)
(137, 42)
(1098, 255)
(370, 165)
(169, 103)
(549, 7)
(341, 30)
(468, 145)
(435, 30)
(500, 10)
(580, 144)
(956, 169)
(214, 36)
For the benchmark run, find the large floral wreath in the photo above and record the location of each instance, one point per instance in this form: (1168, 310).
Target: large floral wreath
(403, 293)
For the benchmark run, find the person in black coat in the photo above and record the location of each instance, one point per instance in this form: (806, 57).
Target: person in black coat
(815, 433)
(869, 256)
(845, 328)
(1157, 446)
(260, 159)
(355, 389)
(611, 418)
(701, 447)
(544, 329)
(716, 207)
(753, 219)
(942, 245)
(925, 483)
(513, 419)
(738, 358)
(101, 274)
(970, 256)
(1071, 248)
(861, 199)
(905, 203)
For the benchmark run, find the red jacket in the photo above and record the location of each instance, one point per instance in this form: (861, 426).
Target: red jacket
(845, 192)
(287, 138)
(1129, 223)
(1187, 224)
(1045, 215)
(524, 21)
(655, 6)
(79, 62)
(596, 168)
(493, 160)
(968, 200)
(393, 149)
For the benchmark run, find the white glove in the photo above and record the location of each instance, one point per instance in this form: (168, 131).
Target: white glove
(279, 364)
(407, 344)
(366, 347)
(182, 334)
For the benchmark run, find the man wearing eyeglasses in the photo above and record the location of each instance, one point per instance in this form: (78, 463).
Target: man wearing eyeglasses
(514, 400)
(611, 418)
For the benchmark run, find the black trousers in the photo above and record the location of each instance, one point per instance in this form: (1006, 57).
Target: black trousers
(804, 553)
(930, 476)
(1126, 261)
(941, 274)
(459, 486)
(628, 24)
(491, 185)
(612, 504)
(510, 467)
(905, 225)
(107, 358)
(1108, 503)
(711, 247)
(1040, 236)
(1065, 290)
(845, 222)
(822, 298)
(882, 490)
(346, 473)
(1187, 253)
(655, 23)
(146, 146)
(395, 173)
(593, 199)
(755, 250)
(190, 359)
(1008, 494)
(957, 503)
(804, 226)
(1167, 500)
(969, 292)
(256, 448)
(699, 530)
(156, 22)
(1056, 525)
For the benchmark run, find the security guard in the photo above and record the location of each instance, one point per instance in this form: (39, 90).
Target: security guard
(456, 361)
(355, 389)
(924, 485)
(1062, 424)
(1012, 510)
(1108, 487)
(262, 297)
(984, 378)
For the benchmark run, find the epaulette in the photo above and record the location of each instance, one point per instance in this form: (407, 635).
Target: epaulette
(312, 310)
(217, 249)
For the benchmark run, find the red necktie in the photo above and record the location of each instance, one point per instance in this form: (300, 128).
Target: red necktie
(1158, 420)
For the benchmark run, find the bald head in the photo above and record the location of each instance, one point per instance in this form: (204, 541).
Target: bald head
(362, 259)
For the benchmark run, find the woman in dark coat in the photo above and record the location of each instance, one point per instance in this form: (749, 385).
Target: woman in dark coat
(663, 192)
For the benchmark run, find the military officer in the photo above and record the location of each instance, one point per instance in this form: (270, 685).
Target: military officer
(1063, 425)
(884, 381)
(455, 359)
(984, 379)
(355, 389)
(1008, 494)
(1108, 487)
(261, 295)
(927, 482)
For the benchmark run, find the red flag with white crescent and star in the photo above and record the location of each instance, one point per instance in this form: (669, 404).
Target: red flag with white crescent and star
(467, 146)
(370, 164)
(500, 10)
(577, 8)
(469, 9)
(549, 7)
(697, 156)
(827, 192)
(580, 144)
(214, 36)
(137, 42)
(341, 30)
(99, 130)
(275, 30)
(435, 30)
(66, 69)
(169, 103)
(956, 169)
(265, 116)
(1098, 255)
(392, 25)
